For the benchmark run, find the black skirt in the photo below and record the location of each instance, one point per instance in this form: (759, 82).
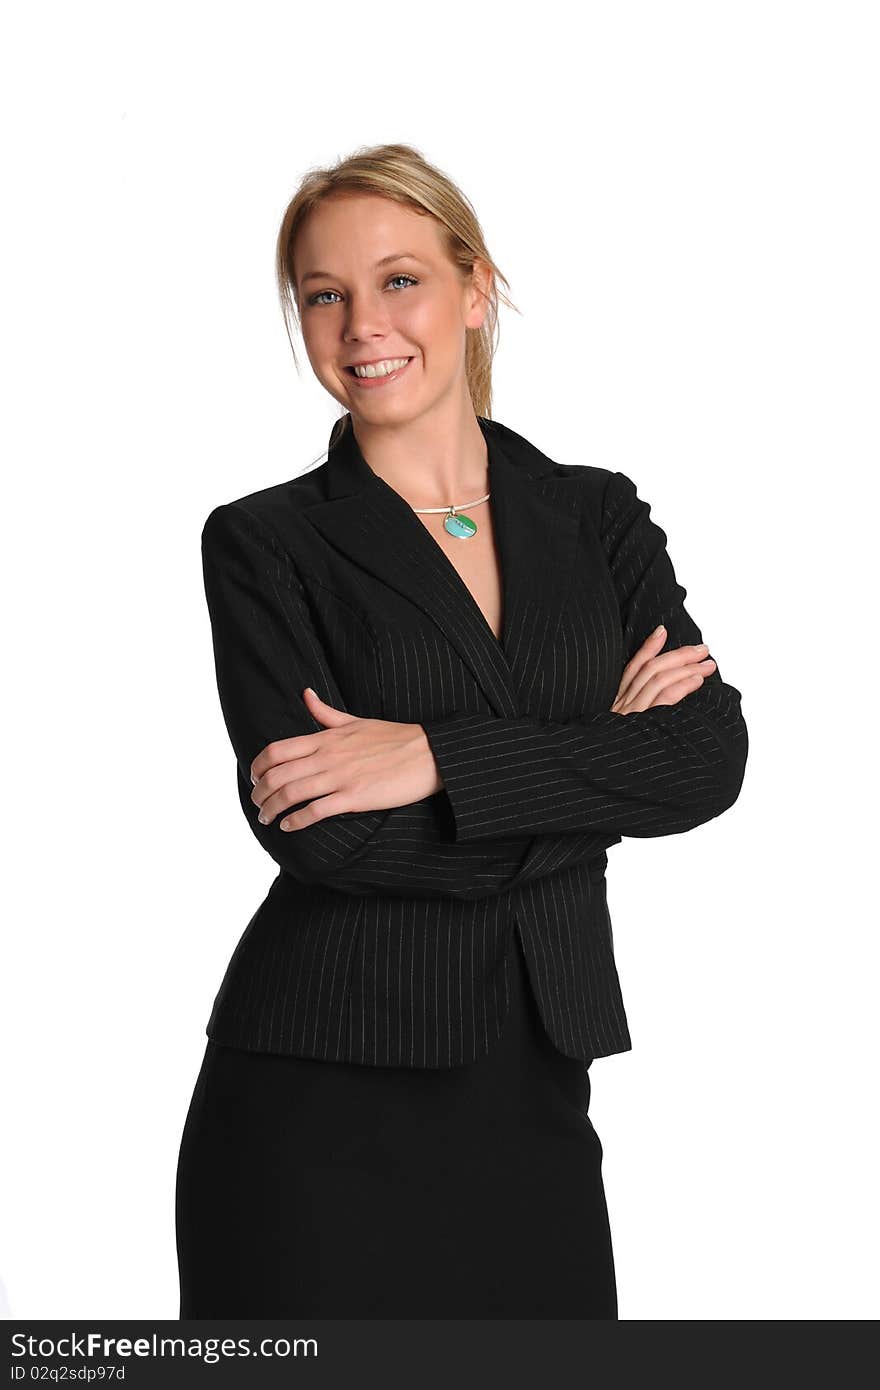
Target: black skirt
(335, 1190)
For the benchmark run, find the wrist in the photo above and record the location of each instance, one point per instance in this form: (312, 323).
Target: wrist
(432, 761)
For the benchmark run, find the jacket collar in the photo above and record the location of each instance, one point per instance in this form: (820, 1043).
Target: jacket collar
(536, 518)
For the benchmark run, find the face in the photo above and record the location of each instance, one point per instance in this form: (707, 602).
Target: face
(376, 286)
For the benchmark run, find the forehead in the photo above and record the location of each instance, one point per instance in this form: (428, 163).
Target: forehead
(356, 231)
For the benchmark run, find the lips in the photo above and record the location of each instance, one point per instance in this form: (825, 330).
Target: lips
(367, 383)
(374, 362)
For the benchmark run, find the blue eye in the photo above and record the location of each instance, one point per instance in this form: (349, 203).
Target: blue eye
(317, 298)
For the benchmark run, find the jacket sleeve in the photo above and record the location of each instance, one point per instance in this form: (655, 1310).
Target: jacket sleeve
(659, 771)
(266, 650)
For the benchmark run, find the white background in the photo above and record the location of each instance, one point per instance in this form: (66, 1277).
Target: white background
(684, 199)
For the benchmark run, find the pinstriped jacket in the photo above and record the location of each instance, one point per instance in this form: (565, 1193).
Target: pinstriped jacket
(385, 937)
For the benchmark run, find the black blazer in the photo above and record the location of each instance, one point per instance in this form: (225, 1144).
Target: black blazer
(385, 938)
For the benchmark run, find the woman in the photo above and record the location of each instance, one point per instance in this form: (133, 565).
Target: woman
(453, 673)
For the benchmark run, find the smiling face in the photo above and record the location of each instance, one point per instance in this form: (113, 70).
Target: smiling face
(375, 286)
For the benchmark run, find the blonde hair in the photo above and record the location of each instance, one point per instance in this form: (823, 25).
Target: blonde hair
(401, 173)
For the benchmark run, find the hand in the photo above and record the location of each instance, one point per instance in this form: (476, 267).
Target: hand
(352, 765)
(650, 679)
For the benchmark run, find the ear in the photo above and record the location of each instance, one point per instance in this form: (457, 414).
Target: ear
(477, 296)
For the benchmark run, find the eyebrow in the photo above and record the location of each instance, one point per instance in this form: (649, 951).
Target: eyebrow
(395, 256)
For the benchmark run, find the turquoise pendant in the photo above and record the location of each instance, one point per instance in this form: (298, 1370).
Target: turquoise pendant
(457, 524)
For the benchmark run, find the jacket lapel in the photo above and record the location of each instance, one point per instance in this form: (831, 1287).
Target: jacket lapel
(536, 518)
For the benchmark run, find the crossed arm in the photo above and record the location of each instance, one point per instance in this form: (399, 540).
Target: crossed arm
(646, 772)
(536, 797)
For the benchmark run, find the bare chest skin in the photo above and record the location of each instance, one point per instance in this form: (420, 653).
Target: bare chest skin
(476, 560)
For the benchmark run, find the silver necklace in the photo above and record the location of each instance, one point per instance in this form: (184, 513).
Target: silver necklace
(455, 522)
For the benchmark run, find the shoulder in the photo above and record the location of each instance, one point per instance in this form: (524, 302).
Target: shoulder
(275, 511)
(603, 491)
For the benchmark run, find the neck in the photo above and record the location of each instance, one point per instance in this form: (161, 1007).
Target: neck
(433, 460)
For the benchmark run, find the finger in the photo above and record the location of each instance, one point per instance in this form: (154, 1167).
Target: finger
(668, 676)
(671, 660)
(280, 775)
(646, 700)
(650, 647)
(663, 675)
(669, 686)
(328, 714)
(319, 810)
(283, 750)
(295, 791)
(678, 690)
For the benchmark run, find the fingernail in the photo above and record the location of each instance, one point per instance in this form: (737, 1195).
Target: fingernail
(658, 630)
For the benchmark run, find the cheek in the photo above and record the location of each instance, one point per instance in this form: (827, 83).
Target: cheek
(320, 330)
(318, 341)
(321, 352)
(312, 344)
(431, 327)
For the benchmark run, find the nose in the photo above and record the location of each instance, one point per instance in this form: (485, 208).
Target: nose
(366, 317)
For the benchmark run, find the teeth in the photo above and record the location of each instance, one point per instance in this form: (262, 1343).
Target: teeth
(391, 364)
